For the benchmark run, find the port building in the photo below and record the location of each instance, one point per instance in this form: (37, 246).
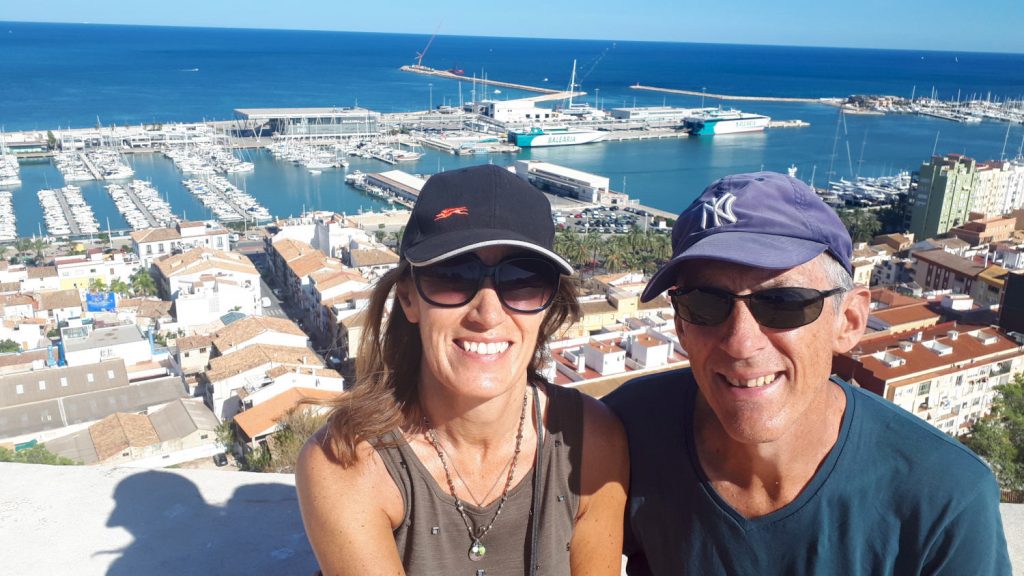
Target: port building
(397, 183)
(653, 114)
(563, 181)
(308, 123)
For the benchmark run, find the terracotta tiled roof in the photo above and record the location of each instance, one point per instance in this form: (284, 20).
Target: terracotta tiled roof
(290, 249)
(155, 235)
(19, 358)
(55, 299)
(326, 279)
(258, 355)
(119, 431)
(199, 260)
(193, 342)
(308, 263)
(248, 328)
(601, 307)
(261, 418)
(306, 370)
(372, 257)
(42, 271)
(891, 298)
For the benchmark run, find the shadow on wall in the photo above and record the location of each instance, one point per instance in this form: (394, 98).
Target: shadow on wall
(175, 531)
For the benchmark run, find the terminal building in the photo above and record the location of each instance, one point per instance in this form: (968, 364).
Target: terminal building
(308, 123)
(563, 181)
(397, 183)
(653, 114)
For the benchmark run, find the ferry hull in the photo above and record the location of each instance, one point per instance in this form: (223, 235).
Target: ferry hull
(714, 127)
(556, 139)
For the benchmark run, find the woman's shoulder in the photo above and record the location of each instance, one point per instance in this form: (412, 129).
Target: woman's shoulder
(365, 478)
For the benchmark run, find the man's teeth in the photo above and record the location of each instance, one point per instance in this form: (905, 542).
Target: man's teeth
(484, 347)
(755, 383)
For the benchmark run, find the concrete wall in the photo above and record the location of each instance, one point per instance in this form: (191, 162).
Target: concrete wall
(113, 521)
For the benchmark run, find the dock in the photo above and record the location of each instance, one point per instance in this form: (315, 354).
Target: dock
(58, 193)
(141, 206)
(655, 134)
(731, 97)
(448, 75)
(90, 166)
(788, 124)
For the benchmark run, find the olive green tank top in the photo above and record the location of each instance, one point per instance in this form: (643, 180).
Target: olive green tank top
(432, 538)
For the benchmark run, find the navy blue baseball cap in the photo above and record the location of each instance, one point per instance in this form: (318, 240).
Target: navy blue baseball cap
(763, 220)
(464, 210)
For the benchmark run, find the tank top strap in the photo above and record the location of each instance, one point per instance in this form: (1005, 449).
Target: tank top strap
(392, 449)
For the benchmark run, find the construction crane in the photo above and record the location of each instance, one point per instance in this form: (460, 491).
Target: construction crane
(421, 55)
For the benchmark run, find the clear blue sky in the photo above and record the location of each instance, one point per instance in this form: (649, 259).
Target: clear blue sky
(976, 25)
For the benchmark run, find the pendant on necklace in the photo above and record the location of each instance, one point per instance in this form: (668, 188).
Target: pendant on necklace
(477, 551)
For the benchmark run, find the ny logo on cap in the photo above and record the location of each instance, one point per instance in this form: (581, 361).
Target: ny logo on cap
(719, 210)
(447, 212)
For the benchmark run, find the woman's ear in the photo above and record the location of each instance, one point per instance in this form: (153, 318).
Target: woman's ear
(404, 292)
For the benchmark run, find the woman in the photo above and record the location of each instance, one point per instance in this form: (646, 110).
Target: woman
(452, 454)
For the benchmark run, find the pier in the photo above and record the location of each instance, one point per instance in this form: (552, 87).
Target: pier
(141, 206)
(729, 97)
(69, 216)
(448, 75)
(656, 134)
(90, 166)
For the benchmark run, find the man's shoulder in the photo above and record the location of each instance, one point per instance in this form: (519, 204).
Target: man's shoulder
(897, 434)
(649, 395)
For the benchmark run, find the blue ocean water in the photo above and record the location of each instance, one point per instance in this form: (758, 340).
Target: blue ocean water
(54, 75)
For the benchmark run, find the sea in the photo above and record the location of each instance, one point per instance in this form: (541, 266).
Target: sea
(54, 76)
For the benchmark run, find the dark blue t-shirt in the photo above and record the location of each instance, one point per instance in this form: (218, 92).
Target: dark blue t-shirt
(893, 496)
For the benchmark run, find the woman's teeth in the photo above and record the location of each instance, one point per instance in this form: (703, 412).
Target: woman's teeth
(484, 347)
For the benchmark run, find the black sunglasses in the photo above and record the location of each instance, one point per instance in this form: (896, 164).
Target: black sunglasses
(523, 284)
(781, 308)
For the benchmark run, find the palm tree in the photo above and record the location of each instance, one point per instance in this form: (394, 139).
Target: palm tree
(97, 285)
(569, 244)
(119, 287)
(142, 283)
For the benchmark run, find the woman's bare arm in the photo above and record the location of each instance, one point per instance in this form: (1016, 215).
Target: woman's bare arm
(349, 512)
(596, 547)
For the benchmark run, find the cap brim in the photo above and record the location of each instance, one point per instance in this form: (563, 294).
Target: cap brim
(746, 248)
(444, 246)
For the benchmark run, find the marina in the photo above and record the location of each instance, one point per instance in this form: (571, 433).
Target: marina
(206, 158)
(66, 212)
(8, 222)
(9, 171)
(141, 205)
(73, 167)
(227, 202)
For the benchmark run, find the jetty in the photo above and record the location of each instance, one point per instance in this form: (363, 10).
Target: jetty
(90, 166)
(639, 86)
(450, 76)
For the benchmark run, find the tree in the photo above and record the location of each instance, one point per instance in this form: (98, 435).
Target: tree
(118, 286)
(37, 454)
(863, 225)
(51, 140)
(297, 426)
(999, 437)
(9, 345)
(97, 285)
(142, 283)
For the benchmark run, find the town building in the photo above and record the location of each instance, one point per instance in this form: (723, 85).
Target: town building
(248, 368)
(563, 181)
(207, 283)
(307, 124)
(943, 197)
(262, 420)
(152, 243)
(981, 229)
(944, 374)
(81, 272)
(396, 183)
(940, 270)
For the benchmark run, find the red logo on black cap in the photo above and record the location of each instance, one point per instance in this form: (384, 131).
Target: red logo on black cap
(460, 210)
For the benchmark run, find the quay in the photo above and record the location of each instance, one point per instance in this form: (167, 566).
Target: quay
(729, 97)
(653, 134)
(444, 74)
(58, 193)
(90, 166)
(141, 206)
(788, 124)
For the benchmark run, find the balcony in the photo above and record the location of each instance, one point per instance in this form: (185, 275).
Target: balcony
(113, 521)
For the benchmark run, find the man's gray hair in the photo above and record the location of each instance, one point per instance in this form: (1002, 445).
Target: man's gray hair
(838, 277)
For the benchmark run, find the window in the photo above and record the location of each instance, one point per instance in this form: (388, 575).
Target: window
(149, 250)
(924, 388)
(204, 436)
(42, 384)
(110, 374)
(64, 381)
(161, 248)
(89, 377)
(20, 389)
(202, 350)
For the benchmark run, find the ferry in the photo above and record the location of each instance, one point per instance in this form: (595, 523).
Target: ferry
(537, 137)
(711, 122)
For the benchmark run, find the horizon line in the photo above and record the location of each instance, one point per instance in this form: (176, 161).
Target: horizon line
(329, 31)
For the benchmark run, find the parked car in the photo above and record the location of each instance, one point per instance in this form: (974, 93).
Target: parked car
(265, 302)
(220, 459)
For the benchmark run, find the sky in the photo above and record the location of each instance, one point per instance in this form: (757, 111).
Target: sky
(979, 25)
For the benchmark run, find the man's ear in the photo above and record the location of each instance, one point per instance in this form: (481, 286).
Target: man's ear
(852, 320)
(404, 292)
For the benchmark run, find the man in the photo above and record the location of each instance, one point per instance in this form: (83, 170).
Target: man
(753, 461)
